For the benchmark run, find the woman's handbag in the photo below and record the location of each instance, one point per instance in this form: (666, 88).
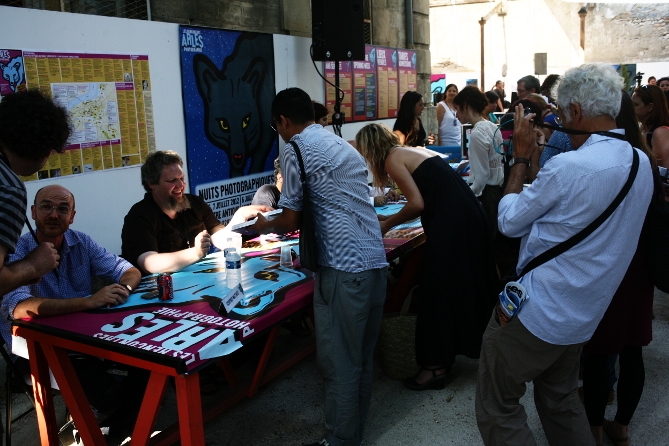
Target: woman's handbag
(308, 247)
(397, 342)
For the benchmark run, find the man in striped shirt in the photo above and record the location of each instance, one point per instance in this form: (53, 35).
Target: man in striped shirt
(351, 276)
(31, 127)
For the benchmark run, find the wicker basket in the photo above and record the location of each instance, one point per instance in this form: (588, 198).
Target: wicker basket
(396, 343)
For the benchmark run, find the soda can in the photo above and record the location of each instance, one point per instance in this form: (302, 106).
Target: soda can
(165, 287)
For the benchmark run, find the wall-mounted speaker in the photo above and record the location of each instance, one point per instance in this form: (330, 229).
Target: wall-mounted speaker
(337, 29)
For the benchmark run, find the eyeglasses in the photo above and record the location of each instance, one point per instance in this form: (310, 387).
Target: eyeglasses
(47, 209)
(520, 90)
(272, 125)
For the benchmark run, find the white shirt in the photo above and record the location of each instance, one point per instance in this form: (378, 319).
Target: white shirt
(485, 164)
(450, 128)
(569, 294)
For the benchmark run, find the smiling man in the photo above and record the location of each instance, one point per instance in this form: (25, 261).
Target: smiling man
(169, 229)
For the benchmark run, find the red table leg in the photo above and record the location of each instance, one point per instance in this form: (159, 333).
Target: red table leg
(46, 415)
(189, 404)
(148, 413)
(229, 371)
(262, 365)
(73, 394)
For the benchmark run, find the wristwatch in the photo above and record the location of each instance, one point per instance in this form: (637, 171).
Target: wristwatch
(515, 161)
(127, 287)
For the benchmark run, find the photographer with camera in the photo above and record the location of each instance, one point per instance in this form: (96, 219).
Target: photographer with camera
(568, 294)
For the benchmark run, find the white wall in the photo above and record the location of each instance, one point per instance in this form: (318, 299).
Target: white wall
(103, 198)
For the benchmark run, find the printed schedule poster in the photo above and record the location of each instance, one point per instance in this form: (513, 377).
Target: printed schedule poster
(108, 100)
(406, 62)
(386, 71)
(228, 88)
(364, 88)
(345, 83)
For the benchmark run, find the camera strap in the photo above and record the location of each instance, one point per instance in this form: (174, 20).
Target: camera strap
(581, 132)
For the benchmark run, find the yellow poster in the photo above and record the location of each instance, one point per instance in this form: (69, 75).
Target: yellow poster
(108, 100)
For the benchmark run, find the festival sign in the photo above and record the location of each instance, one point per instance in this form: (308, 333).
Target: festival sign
(228, 89)
(107, 98)
(386, 69)
(364, 89)
(406, 63)
(345, 83)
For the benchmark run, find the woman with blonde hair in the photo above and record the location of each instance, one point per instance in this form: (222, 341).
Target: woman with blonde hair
(452, 314)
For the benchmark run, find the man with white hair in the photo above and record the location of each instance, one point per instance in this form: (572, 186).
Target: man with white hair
(567, 295)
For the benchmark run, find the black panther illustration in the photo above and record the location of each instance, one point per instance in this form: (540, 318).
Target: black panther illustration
(238, 100)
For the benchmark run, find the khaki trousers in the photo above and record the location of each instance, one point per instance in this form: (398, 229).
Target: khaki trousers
(512, 356)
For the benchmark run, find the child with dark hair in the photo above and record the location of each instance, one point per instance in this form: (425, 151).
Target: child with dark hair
(320, 114)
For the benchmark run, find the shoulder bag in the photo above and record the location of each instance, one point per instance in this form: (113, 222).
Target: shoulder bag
(308, 248)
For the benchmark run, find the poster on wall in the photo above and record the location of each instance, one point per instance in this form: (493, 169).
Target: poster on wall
(108, 100)
(628, 73)
(228, 89)
(437, 86)
(364, 75)
(345, 83)
(386, 71)
(406, 67)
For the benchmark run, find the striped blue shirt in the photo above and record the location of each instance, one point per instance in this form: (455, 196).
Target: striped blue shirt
(569, 294)
(347, 228)
(80, 259)
(13, 203)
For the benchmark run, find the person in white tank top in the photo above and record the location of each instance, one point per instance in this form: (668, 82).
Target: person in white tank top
(450, 128)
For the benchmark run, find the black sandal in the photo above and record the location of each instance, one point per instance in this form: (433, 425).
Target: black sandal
(437, 382)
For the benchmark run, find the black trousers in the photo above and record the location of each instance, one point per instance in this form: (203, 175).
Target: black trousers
(596, 385)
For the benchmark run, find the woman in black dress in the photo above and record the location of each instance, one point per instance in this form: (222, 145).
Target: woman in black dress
(408, 127)
(458, 280)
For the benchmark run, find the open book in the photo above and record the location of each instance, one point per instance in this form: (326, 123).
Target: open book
(245, 228)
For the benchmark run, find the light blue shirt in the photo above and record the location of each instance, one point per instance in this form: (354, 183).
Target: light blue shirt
(569, 294)
(347, 228)
(80, 258)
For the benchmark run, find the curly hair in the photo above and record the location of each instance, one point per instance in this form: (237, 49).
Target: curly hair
(374, 142)
(32, 125)
(154, 164)
(406, 115)
(473, 98)
(596, 87)
(652, 94)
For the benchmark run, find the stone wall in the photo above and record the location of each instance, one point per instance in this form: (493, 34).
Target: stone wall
(627, 33)
(294, 17)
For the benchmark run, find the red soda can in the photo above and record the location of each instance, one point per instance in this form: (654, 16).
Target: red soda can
(165, 287)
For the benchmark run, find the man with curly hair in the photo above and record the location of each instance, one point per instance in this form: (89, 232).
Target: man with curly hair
(31, 127)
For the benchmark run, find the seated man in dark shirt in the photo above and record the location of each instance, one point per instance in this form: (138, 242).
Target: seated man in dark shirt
(169, 230)
(269, 194)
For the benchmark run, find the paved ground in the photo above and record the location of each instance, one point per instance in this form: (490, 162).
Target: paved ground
(289, 411)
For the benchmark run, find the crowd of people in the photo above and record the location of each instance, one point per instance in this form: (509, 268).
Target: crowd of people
(578, 140)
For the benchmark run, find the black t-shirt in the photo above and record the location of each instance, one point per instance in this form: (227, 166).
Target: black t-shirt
(267, 195)
(147, 228)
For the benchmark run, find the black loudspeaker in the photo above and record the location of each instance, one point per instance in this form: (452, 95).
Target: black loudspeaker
(337, 29)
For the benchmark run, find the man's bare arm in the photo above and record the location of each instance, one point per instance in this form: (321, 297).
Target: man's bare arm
(287, 221)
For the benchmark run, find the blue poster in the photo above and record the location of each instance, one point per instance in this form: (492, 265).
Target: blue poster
(228, 88)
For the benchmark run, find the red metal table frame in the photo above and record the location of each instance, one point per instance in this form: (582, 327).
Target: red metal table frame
(49, 350)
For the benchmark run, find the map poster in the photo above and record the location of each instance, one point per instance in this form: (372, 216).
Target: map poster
(228, 88)
(108, 100)
(386, 71)
(364, 88)
(345, 83)
(406, 63)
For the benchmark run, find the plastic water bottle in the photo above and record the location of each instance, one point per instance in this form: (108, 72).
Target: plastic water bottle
(233, 268)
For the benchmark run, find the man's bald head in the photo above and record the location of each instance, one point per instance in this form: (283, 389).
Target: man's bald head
(54, 188)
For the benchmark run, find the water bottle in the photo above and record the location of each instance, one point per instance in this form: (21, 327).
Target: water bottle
(233, 268)
(226, 251)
